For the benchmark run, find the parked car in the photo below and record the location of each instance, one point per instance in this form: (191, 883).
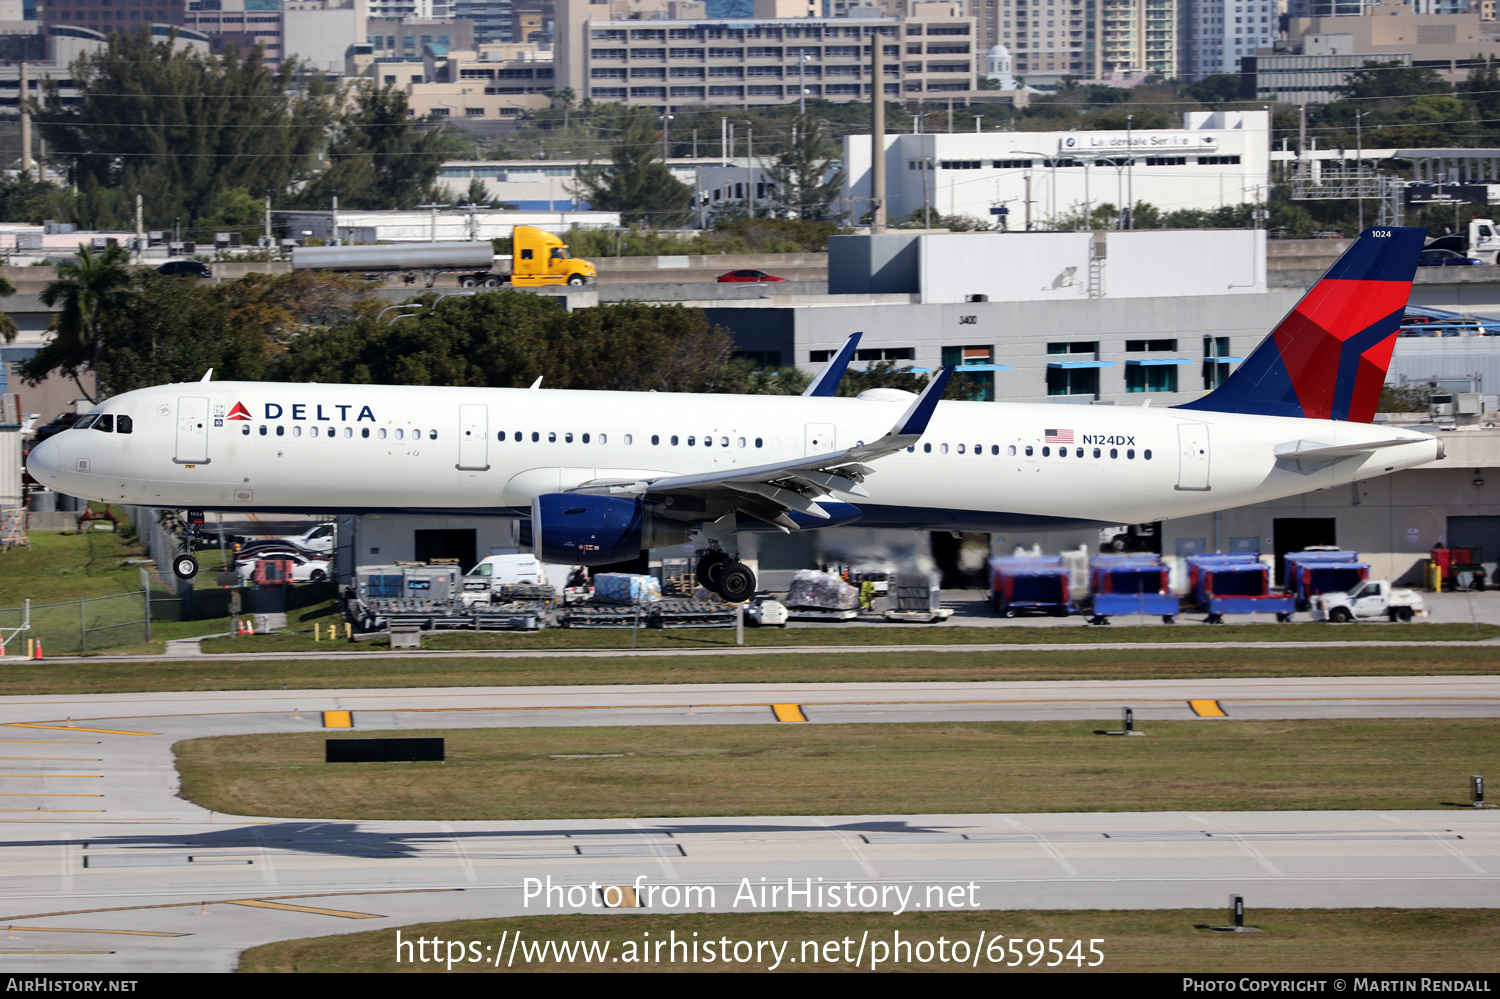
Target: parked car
(306, 567)
(186, 268)
(1446, 258)
(747, 276)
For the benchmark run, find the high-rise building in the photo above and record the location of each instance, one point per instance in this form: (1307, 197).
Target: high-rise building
(111, 15)
(243, 24)
(664, 64)
(494, 20)
(1216, 34)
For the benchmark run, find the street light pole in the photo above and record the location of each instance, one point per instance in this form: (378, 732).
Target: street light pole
(1129, 174)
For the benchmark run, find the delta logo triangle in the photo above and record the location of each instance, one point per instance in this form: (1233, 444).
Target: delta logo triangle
(239, 412)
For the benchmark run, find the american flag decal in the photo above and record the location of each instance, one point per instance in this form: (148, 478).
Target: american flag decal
(1059, 437)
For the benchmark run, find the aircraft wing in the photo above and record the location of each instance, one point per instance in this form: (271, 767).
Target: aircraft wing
(773, 490)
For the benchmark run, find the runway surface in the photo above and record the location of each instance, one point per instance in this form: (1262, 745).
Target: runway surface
(339, 654)
(103, 868)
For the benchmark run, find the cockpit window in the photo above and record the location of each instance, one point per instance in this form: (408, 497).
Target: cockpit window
(105, 423)
(87, 421)
(124, 424)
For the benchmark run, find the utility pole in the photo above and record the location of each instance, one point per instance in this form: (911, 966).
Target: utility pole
(1028, 200)
(1129, 174)
(877, 153)
(25, 124)
(140, 236)
(978, 120)
(750, 171)
(336, 221)
(1359, 165)
(268, 220)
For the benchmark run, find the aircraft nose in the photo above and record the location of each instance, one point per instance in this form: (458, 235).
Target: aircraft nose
(42, 462)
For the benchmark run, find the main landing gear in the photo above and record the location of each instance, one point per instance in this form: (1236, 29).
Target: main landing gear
(728, 577)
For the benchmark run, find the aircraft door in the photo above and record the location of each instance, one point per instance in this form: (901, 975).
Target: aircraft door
(192, 431)
(820, 438)
(1192, 456)
(473, 437)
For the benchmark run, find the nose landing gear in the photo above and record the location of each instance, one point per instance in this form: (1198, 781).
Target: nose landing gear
(185, 566)
(728, 577)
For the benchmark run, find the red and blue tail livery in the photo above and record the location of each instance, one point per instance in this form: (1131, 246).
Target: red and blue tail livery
(1328, 358)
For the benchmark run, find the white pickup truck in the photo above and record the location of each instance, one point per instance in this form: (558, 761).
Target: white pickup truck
(1374, 598)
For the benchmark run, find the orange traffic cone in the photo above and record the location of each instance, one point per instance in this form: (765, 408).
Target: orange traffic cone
(36, 652)
(249, 625)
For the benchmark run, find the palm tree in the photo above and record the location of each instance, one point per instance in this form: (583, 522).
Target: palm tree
(86, 290)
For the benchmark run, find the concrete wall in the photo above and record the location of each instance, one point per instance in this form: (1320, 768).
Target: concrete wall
(1019, 333)
(884, 264)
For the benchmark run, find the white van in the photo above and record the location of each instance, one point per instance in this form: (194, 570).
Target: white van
(501, 570)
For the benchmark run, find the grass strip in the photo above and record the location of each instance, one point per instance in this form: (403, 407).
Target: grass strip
(1367, 941)
(874, 769)
(300, 637)
(105, 676)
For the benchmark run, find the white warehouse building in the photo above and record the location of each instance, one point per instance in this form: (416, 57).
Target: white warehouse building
(1217, 158)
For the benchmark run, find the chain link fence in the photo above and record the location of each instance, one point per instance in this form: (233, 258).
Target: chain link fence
(90, 623)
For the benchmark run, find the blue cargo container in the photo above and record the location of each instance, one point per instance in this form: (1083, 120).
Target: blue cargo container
(1235, 584)
(1038, 583)
(1130, 584)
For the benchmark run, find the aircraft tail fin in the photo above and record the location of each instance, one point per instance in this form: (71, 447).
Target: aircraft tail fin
(1328, 358)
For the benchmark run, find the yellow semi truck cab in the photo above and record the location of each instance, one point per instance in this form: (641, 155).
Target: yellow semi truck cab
(538, 257)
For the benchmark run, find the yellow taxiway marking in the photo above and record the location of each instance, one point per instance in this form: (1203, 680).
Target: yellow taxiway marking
(1208, 709)
(70, 929)
(77, 728)
(342, 913)
(624, 899)
(338, 719)
(7, 920)
(54, 742)
(788, 712)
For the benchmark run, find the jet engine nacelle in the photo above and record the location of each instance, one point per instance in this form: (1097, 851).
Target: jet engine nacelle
(580, 529)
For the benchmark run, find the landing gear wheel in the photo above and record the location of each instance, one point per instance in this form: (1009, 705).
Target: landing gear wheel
(185, 567)
(736, 582)
(709, 567)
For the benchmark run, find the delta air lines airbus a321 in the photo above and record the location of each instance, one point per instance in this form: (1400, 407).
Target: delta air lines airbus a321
(596, 477)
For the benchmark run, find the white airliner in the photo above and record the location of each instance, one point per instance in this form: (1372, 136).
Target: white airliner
(596, 477)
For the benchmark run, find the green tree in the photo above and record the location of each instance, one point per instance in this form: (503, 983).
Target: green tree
(381, 157)
(636, 183)
(159, 120)
(1393, 81)
(807, 180)
(8, 329)
(511, 338)
(88, 290)
(173, 329)
(478, 193)
(1217, 88)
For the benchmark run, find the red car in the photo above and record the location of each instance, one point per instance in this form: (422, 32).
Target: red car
(735, 277)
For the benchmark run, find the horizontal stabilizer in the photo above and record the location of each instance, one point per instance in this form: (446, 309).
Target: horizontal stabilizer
(1309, 456)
